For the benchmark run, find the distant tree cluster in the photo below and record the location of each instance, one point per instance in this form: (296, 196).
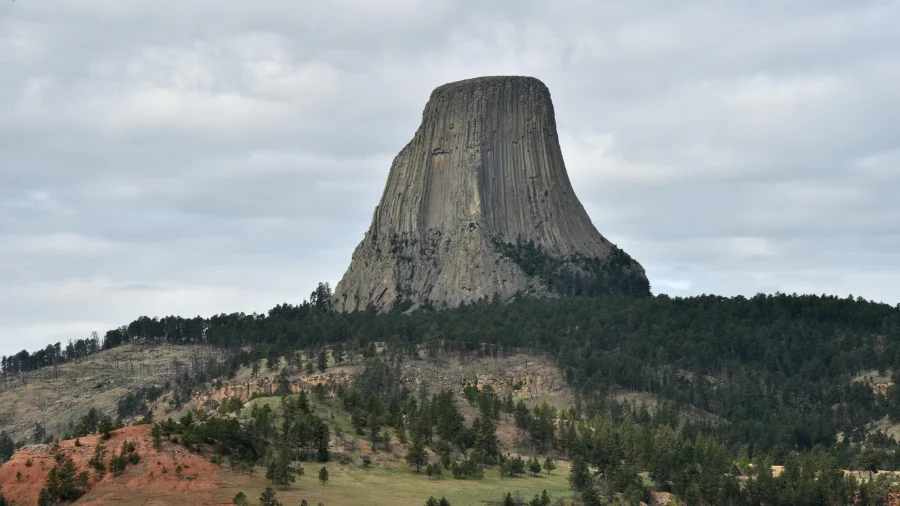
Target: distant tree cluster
(64, 483)
(53, 354)
(276, 441)
(515, 500)
(135, 403)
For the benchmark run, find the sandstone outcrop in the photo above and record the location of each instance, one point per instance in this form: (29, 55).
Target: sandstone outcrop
(479, 204)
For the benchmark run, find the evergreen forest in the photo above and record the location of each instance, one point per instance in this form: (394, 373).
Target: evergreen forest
(778, 377)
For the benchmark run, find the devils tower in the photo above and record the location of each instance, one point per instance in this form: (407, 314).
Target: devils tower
(478, 205)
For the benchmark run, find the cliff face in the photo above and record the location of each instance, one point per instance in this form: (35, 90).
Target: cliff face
(478, 204)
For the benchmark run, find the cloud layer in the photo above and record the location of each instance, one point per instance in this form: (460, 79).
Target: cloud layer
(198, 157)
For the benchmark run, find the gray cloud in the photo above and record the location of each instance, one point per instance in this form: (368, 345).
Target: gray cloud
(198, 157)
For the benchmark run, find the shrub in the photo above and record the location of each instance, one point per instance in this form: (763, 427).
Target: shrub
(434, 470)
(240, 499)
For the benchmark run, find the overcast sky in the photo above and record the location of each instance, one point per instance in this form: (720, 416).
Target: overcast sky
(201, 156)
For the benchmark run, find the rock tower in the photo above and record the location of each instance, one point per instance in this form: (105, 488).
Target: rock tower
(478, 205)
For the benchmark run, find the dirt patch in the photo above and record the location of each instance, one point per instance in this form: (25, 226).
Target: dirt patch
(660, 498)
(155, 476)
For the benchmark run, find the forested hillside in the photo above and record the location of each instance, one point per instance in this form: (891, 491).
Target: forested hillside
(774, 372)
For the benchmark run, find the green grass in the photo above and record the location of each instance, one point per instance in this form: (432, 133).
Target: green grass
(273, 402)
(395, 485)
(386, 485)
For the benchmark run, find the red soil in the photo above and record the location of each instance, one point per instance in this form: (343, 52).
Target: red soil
(154, 476)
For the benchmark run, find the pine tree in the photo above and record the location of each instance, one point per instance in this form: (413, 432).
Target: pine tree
(417, 456)
(322, 361)
(68, 486)
(105, 426)
(486, 443)
(374, 432)
(97, 460)
(434, 470)
(579, 475)
(279, 470)
(534, 465)
(591, 497)
(272, 361)
(39, 433)
(549, 465)
(45, 498)
(337, 352)
(303, 402)
(322, 436)
(284, 384)
(63, 484)
(323, 475)
(267, 498)
(156, 432)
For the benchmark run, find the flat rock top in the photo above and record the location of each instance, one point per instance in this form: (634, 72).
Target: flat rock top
(488, 83)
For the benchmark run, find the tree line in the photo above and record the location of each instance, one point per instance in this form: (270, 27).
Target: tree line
(777, 367)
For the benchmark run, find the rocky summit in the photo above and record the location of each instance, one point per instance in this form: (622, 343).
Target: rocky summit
(479, 205)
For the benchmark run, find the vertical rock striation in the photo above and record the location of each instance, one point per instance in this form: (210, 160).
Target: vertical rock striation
(479, 204)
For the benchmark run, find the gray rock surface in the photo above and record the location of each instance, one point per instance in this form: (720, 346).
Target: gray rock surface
(483, 168)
